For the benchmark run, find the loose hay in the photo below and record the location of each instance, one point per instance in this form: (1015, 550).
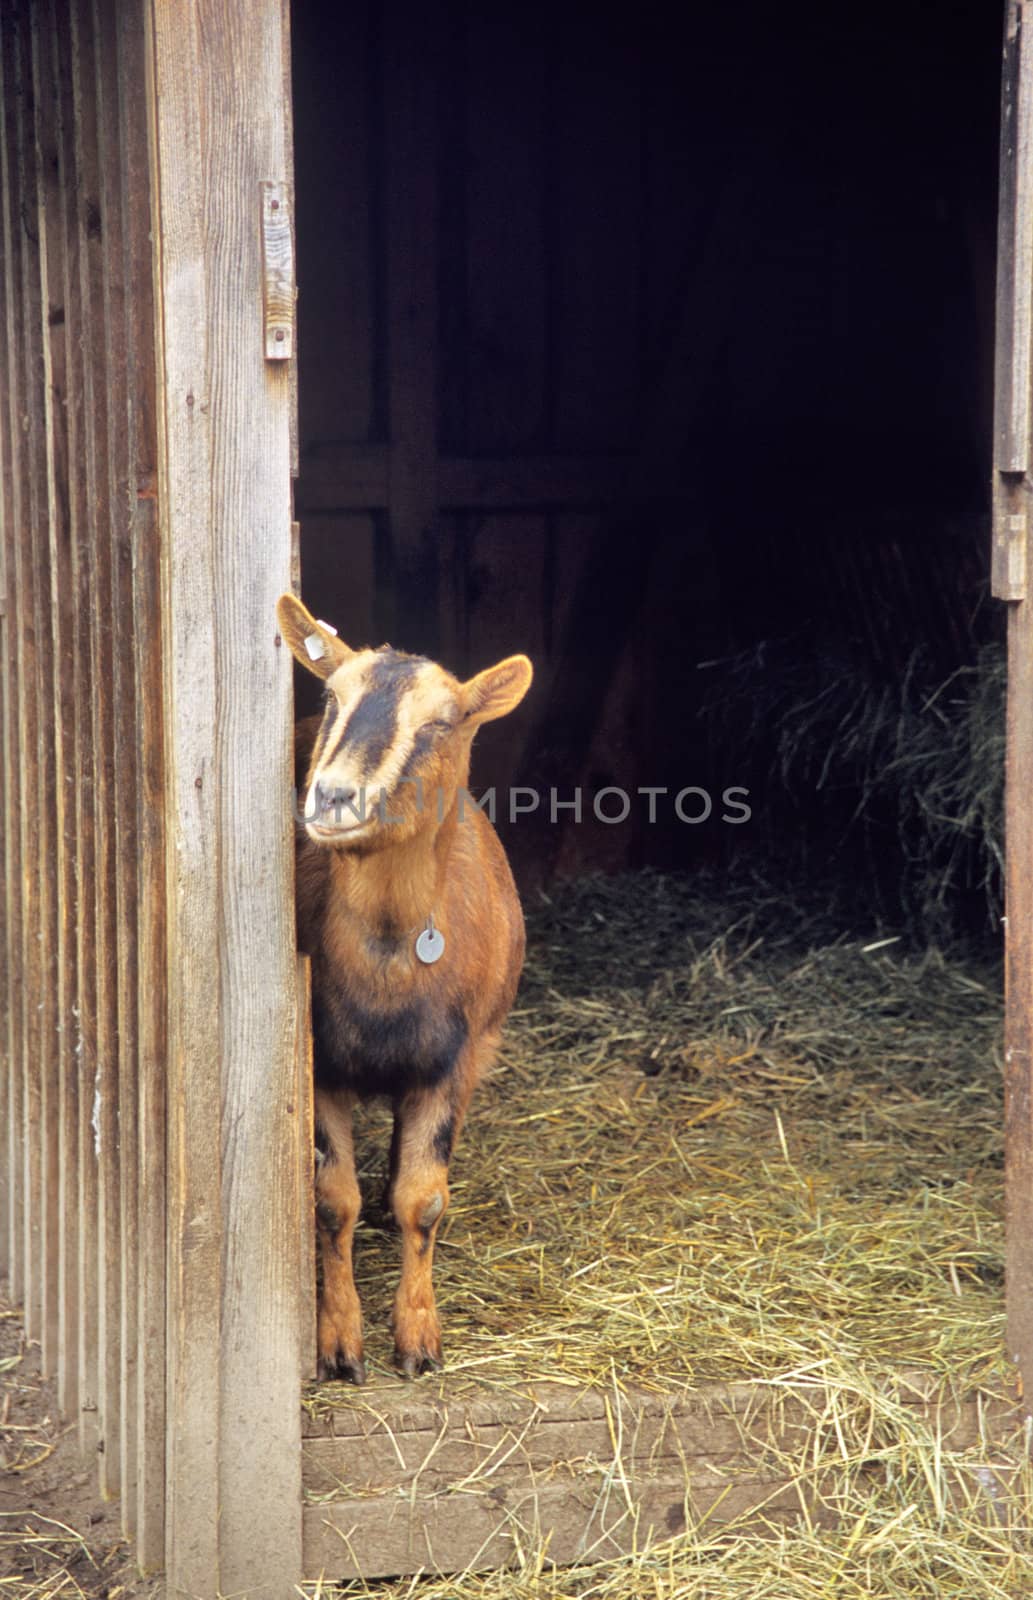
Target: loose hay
(900, 778)
(724, 1143)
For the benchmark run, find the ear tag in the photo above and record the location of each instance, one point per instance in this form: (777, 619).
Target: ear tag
(327, 627)
(430, 946)
(314, 647)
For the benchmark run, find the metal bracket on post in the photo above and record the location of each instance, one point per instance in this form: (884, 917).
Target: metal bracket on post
(277, 272)
(1011, 536)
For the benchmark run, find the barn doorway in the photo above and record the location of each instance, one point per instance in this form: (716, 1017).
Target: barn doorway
(667, 358)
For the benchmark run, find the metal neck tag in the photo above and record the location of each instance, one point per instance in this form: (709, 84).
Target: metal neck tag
(430, 946)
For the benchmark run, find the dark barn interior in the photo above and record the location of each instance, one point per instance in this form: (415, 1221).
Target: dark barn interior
(658, 345)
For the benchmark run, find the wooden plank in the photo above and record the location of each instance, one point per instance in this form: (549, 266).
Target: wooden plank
(563, 482)
(58, 748)
(124, 702)
(82, 1173)
(47, 348)
(7, 810)
(410, 45)
(344, 477)
(102, 1093)
(306, 1173)
(28, 356)
(595, 187)
(504, 164)
(64, 598)
(1013, 371)
(233, 1499)
(10, 430)
(1012, 424)
(338, 224)
(339, 559)
(1018, 1049)
(1014, 311)
(468, 1479)
(506, 605)
(347, 477)
(385, 1445)
(193, 1197)
(579, 1521)
(591, 1517)
(134, 64)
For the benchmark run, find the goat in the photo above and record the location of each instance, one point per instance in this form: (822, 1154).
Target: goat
(408, 910)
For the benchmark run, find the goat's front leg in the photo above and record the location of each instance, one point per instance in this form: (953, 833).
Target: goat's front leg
(338, 1203)
(426, 1125)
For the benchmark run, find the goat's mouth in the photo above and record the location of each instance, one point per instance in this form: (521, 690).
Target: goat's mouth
(337, 832)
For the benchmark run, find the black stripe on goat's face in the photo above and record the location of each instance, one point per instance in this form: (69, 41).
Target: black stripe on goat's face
(384, 750)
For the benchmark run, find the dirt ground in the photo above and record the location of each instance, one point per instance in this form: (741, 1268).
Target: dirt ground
(57, 1536)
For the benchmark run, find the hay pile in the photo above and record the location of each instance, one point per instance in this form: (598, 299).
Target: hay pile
(723, 1142)
(898, 781)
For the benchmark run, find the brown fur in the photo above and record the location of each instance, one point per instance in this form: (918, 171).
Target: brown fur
(384, 1022)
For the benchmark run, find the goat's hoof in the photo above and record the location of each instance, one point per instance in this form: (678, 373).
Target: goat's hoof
(414, 1363)
(352, 1369)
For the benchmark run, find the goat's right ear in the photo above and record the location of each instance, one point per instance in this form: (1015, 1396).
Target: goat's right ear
(309, 641)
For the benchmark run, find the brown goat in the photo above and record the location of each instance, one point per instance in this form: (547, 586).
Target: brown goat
(407, 907)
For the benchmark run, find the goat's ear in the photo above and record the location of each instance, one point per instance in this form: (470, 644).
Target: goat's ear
(309, 641)
(496, 690)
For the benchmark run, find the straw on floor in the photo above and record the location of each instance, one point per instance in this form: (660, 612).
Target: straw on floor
(723, 1141)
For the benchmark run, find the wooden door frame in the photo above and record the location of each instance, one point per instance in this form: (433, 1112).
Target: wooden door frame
(219, 110)
(1012, 490)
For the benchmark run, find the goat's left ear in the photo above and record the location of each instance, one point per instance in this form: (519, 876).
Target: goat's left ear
(496, 690)
(312, 643)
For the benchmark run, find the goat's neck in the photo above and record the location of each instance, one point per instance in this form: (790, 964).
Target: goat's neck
(397, 888)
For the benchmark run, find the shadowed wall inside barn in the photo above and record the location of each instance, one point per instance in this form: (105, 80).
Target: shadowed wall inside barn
(637, 344)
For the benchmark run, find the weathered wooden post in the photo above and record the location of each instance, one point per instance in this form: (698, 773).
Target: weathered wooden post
(220, 108)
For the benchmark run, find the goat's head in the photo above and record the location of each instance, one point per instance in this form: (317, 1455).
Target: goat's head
(394, 745)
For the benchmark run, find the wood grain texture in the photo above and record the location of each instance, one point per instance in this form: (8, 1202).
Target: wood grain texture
(83, 1176)
(1018, 1026)
(1014, 342)
(58, 747)
(8, 893)
(27, 354)
(305, 1104)
(277, 270)
(1012, 423)
(49, 343)
(148, 1233)
(103, 1092)
(10, 428)
(233, 1498)
(1019, 999)
(409, 1483)
(110, 137)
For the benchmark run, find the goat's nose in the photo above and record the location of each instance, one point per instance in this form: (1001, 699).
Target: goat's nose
(333, 799)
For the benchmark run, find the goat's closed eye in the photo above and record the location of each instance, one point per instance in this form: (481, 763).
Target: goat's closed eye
(436, 727)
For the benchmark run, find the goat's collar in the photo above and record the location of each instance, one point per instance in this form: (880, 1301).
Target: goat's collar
(430, 946)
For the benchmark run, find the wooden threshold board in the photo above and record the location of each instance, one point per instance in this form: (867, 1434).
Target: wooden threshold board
(399, 1479)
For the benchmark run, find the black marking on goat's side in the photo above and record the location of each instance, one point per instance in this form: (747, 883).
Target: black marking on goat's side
(371, 729)
(444, 1134)
(382, 1052)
